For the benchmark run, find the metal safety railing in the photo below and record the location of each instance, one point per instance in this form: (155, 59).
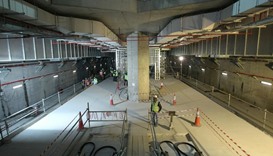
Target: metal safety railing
(67, 138)
(190, 147)
(156, 150)
(14, 122)
(117, 115)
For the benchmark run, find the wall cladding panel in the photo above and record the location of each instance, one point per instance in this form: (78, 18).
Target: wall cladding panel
(209, 47)
(69, 50)
(215, 46)
(231, 43)
(266, 41)
(48, 48)
(4, 53)
(63, 49)
(55, 49)
(252, 39)
(29, 48)
(39, 48)
(240, 44)
(223, 45)
(16, 49)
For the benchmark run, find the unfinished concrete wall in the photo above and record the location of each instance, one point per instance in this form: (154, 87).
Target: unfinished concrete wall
(243, 79)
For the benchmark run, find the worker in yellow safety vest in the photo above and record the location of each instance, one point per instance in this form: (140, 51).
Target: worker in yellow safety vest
(155, 108)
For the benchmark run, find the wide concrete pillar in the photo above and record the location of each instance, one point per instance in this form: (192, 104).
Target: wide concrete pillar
(138, 66)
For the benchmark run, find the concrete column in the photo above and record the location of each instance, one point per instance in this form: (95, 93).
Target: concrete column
(138, 66)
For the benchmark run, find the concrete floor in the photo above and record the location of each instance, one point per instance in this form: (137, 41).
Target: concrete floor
(221, 132)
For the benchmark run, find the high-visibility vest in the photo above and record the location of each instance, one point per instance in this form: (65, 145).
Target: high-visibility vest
(126, 77)
(95, 80)
(155, 107)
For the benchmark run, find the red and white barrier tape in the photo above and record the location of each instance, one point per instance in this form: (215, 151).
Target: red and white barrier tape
(225, 134)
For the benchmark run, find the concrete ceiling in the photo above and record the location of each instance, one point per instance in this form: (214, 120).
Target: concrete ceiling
(126, 16)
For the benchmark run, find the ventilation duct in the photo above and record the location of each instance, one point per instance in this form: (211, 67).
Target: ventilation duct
(23, 12)
(209, 21)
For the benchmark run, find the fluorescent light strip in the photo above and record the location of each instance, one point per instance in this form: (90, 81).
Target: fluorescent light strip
(224, 73)
(18, 86)
(203, 69)
(74, 71)
(55, 76)
(266, 83)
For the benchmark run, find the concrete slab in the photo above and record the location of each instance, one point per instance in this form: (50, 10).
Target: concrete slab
(221, 131)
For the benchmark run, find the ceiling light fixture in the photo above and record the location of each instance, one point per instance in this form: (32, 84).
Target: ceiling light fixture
(266, 83)
(224, 73)
(18, 86)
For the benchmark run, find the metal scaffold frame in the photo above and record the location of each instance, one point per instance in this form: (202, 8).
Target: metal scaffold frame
(121, 60)
(157, 63)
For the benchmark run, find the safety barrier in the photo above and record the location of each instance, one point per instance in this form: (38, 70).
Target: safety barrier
(14, 122)
(107, 115)
(102, 116)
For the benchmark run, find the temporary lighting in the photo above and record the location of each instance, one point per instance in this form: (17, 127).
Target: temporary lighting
(203, 69)
(74, 71)
(181, 58)
(86, 68)
(189, 66)
(18, 86)
(224, 73)
(266, 83)
(55, 76)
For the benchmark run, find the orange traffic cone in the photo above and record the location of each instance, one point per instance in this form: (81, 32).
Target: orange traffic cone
(111, 100)
(197, 119)
(174, 99)
(161, 85)
(80, 122)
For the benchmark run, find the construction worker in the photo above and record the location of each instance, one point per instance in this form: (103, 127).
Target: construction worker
(114, 76)
(111, 71)
(125, 79)
(155, 108)
(117, 73)
(95, 81)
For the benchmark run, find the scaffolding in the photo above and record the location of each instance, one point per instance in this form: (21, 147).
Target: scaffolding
(157, 63)
(121, 60)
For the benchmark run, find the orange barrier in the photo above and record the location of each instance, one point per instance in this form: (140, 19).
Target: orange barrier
(174, 99)
(80, 122)
(197, 119)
